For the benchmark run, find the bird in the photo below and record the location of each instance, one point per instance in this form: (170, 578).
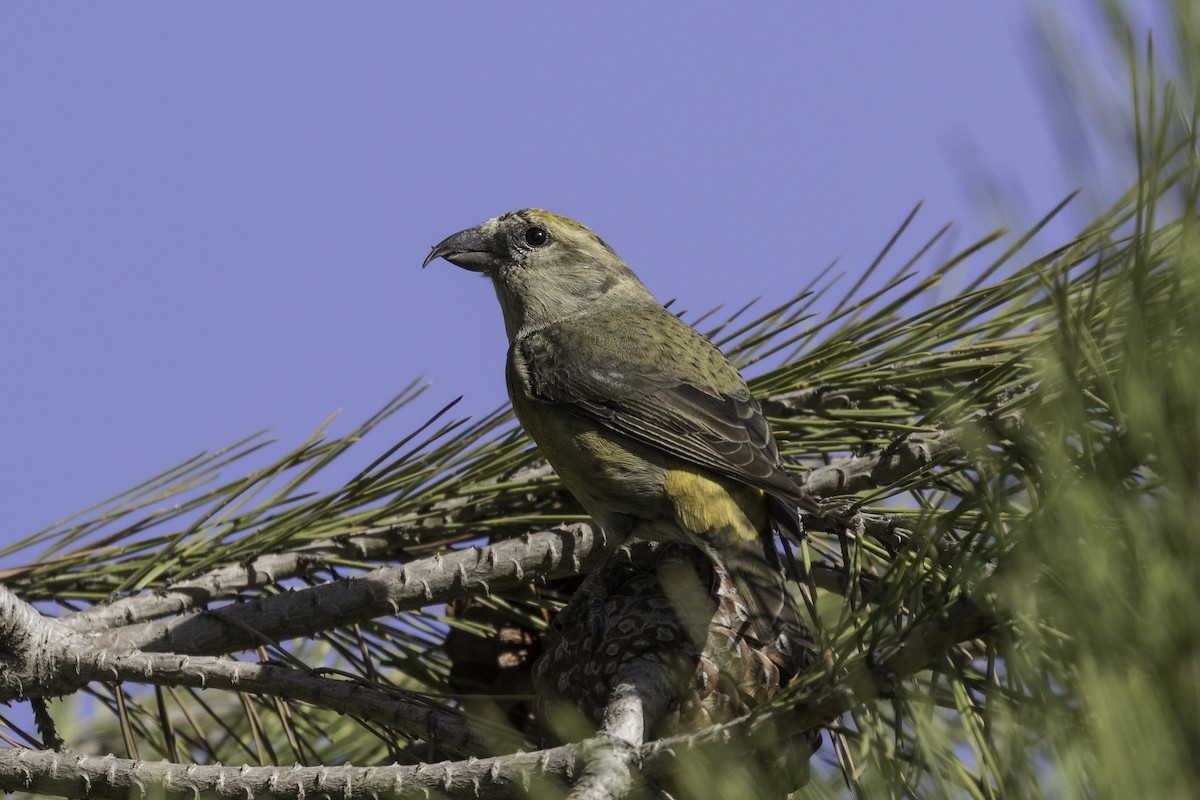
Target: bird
(646, 422)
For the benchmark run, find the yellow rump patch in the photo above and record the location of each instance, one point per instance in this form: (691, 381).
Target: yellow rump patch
(705, 506)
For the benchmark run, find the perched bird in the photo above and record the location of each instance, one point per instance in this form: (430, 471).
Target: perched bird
(642, 417)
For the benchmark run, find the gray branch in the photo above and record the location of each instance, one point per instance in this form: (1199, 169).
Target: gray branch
(111, 778)
(40, 659)
(63, 775)
(385, 591)
(640, 697)
(536, 557)
(270, 568)
(918, 451)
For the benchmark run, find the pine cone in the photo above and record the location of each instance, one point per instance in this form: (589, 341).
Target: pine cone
(669, 604)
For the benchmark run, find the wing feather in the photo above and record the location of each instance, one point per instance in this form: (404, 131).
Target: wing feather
(674, 391)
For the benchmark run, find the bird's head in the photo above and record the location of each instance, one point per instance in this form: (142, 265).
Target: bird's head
(544, 266)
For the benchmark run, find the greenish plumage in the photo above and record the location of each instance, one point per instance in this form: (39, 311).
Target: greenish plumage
(644, 419)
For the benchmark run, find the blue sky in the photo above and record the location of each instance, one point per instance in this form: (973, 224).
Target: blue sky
(212, 216)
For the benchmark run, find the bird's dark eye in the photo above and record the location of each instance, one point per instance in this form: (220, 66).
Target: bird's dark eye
(535, 236)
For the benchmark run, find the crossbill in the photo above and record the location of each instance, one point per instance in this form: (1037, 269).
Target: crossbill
(646, 422)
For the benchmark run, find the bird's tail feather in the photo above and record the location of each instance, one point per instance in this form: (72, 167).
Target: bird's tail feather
(786, 512)
(760, 583)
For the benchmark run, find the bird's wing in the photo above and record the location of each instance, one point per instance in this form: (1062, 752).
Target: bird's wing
(670, 389)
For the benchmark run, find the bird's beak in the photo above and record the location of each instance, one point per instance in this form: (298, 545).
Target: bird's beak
(470, 249)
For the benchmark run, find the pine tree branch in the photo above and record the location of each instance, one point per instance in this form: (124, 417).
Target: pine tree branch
(385, 591)
(918, 451)
(65, 775)
(536, 557)
(271, 568)
(30, 646)
(639, 698)
(110, 778)
(41, 660)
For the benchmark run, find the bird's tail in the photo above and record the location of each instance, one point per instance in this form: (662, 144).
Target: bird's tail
(786, 510)
(760, 582)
